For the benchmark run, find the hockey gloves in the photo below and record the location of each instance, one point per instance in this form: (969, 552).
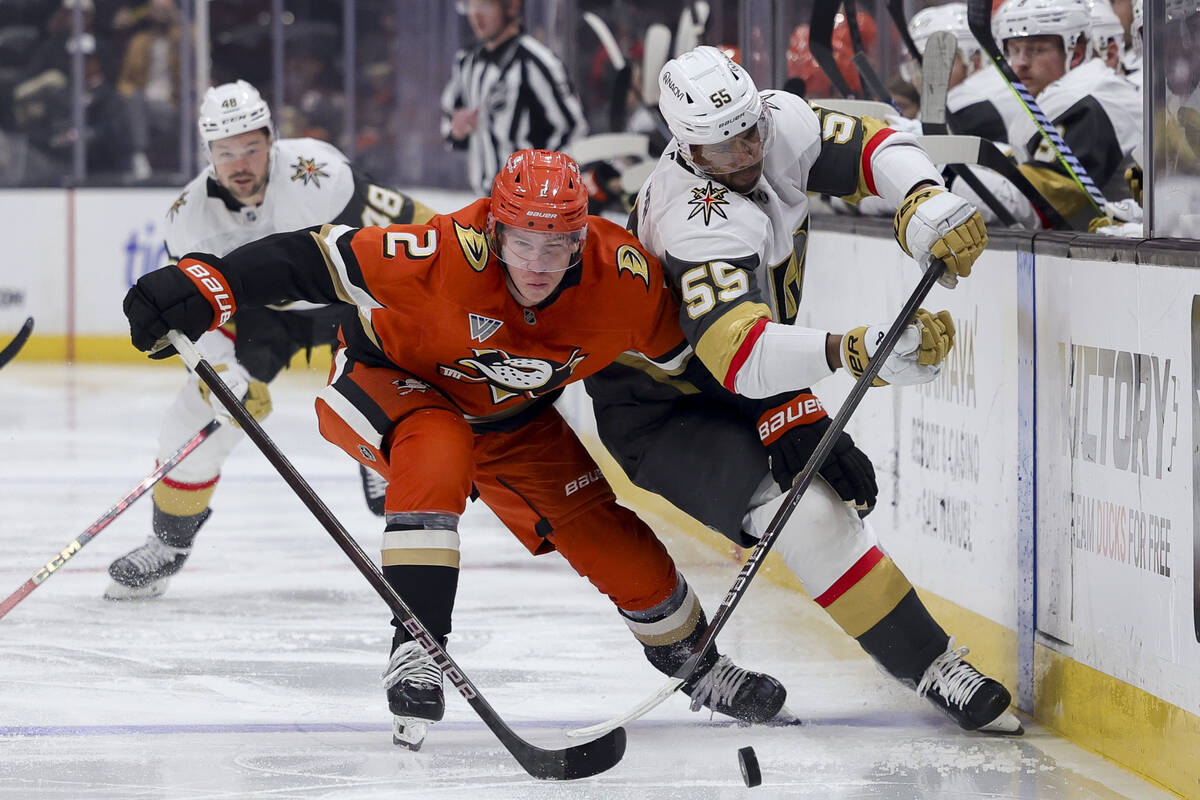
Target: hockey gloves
(192, 297)
(917, 356)
(790, 432)
(255, 395)
(933, 223)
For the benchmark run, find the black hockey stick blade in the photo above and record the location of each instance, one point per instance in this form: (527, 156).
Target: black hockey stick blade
(820, 41)
(979, 20)
(738, 590)
(12, 348)
(866, 73)
(896, 12)
(580, 761)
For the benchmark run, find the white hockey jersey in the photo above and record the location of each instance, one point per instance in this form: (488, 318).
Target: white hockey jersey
(311, 183)
(1100, 116)
(736, 261)
(983, 105)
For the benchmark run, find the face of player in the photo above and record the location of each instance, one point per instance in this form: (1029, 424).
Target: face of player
(737, 163)
(536, 262)
(1038, 60)
(241, 163)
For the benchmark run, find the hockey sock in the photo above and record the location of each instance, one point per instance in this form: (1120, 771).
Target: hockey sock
(907, 640)
(178, 531)
(429, 591)
(670, 631)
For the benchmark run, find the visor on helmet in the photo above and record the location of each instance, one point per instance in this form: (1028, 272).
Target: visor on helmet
(737, 153)
(537, 251)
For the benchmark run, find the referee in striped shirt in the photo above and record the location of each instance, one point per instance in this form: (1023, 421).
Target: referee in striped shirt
(508, 93)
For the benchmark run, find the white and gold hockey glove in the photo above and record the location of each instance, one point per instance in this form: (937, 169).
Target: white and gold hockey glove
(917, 356)
(256, 397)
(933, 223)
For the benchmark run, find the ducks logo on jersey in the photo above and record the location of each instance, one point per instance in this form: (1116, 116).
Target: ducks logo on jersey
(513, 376)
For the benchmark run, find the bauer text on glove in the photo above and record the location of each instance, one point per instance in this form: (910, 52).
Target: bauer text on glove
(192, 297)
(791, 430)
(917, 356)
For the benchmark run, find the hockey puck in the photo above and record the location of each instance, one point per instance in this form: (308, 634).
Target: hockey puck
(749, 764)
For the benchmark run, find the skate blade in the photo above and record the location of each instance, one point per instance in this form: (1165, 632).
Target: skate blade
(119, 591)
(409, 732)
(783, 718)
(1006, 724)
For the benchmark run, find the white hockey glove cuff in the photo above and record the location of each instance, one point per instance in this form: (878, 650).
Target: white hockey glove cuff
(917, 356)
(255, 395)
(933, 223)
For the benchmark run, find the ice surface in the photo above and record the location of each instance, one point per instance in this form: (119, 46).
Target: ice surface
(257, 674)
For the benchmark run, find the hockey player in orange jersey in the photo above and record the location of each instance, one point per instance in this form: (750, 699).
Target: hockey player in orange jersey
(469, 326)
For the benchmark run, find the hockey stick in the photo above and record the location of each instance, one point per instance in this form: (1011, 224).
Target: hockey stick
(896, 11)
(622, 68)
(866, 73)
(940, 52)
(108, 516)
(791, 500)
(820, 42)
(580, 761)
(979, 20)
(12, 348)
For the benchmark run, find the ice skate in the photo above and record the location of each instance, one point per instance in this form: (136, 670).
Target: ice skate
(145, 571)
(972, 699)
(414, 692)
(374, 489)
(749, 697)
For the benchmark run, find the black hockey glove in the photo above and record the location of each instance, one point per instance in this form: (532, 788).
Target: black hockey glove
(791, 430)
(192, 296)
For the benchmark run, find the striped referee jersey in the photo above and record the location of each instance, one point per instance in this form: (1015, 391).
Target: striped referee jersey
(524, 100)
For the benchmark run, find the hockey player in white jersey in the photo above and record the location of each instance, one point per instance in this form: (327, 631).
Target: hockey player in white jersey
(726, 210)
(1098, 113)
(979, 103)
(255, 185)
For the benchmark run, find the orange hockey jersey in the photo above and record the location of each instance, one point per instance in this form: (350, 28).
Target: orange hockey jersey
(433, 302)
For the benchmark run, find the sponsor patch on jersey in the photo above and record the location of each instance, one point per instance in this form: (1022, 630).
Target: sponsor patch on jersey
(179, 203)
(474, 246)
(307, 169)
(482, 327)
(512, 376)
(630, 259)
(708, 200)
(409, 385)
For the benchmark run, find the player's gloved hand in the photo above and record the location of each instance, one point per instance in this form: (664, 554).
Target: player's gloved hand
(917, 356)
(192, 297)
(1133, 179)
(791, 430)
(255, 395)
(933, 223)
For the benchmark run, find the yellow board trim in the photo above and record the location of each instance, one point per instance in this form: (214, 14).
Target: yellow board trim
(118, 350)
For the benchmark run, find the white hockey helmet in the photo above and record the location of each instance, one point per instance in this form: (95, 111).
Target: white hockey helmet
(231, 109)
(706, 98)
(1106, 27)
(946, 17)
(1068, 19)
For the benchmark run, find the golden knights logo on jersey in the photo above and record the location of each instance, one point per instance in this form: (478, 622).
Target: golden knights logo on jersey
(707, 200)
(179, 203)
(512, 376)
(307, 169)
